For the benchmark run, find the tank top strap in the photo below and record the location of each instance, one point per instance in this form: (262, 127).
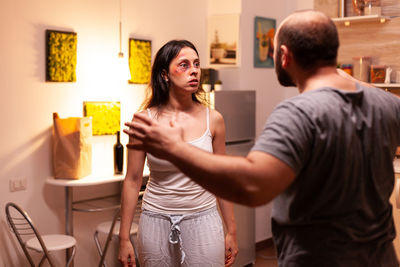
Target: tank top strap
(149, 113)
(208, 118)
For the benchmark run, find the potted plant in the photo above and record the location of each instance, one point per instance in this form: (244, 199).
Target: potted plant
(206, 85)
(218, 85)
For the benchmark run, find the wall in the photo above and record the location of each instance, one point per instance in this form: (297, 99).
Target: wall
(383, 48)
(355, 40)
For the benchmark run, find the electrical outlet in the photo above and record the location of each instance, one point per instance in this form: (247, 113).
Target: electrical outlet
(17, 184)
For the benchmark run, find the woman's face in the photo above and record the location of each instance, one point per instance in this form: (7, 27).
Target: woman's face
(184, 71)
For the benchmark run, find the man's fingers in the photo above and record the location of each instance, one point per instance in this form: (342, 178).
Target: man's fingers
(133, 127)
(136, 129)
(139, 128)
(128, 131)
(138, 122)
(142, 118)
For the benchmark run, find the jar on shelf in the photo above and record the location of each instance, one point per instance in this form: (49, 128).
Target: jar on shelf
(378, 73)
(397, 78)
(358, 7)
(361, 68)
(372, 7)
(348, 68)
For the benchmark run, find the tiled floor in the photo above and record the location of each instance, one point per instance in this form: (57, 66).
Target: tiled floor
(266, 257)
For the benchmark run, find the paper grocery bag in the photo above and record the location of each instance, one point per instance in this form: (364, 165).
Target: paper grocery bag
(72, 147)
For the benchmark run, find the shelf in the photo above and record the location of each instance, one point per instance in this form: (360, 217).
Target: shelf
(387, 85)
(93, 179)
(359, 19)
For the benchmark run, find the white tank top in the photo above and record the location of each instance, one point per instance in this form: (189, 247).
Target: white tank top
(169, 191)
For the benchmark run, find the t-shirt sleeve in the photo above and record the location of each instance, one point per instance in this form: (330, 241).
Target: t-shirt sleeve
(287, 135)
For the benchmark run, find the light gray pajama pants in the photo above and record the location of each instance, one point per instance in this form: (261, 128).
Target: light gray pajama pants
(195, 239)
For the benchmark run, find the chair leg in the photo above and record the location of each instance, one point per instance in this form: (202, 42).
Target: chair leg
(72, 256)
(99, 249)
(96, 240)
(134, 250)
(42, 260)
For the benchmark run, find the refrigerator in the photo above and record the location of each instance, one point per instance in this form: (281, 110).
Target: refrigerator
(239, 111)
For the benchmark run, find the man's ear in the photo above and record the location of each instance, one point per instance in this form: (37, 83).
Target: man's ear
(285, 56)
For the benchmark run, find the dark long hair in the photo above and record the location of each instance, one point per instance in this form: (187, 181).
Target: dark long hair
(158, 90)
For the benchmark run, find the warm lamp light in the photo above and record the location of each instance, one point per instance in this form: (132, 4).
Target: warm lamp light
(120, 54)
(347, 23)
(122, 68)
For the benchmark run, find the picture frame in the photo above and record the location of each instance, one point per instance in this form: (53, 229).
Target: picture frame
(264, 34)
(139, 61)
(106, 116)
(223, 40)
(61, 50)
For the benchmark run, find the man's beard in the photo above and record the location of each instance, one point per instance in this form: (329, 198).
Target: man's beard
(283, 76)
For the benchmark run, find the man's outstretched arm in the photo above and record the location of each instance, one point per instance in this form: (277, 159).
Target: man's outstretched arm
(253, 180)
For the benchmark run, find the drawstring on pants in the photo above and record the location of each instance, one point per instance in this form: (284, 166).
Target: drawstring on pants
(175, 235)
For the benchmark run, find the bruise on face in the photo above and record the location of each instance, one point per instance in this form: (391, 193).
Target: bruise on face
(184, 62)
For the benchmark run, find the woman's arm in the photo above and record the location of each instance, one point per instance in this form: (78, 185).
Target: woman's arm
(217, 126)
(130, 193)
(231, 246)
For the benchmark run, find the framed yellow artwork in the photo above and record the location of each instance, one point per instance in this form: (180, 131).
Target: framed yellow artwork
(106, 116)
(139, 61)
(60, 56)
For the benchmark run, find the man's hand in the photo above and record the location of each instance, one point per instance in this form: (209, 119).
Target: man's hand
(150, 136)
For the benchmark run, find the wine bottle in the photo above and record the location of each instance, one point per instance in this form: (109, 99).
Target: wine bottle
(118, 156)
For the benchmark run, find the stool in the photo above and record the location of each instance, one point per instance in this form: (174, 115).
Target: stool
(111, 229)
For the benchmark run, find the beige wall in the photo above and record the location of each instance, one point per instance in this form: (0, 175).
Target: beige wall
(381, 41)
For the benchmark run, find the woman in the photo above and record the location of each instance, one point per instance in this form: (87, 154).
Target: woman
(180, 224)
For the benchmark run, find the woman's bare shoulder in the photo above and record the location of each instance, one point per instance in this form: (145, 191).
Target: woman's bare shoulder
(217, 124)
(216, 116)
(144, 111)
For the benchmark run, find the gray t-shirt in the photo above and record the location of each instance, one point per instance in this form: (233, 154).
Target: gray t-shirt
(341, 147)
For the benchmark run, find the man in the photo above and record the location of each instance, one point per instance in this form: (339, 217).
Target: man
(324, 156)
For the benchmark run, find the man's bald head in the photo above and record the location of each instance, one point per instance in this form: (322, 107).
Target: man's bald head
(312, 38)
